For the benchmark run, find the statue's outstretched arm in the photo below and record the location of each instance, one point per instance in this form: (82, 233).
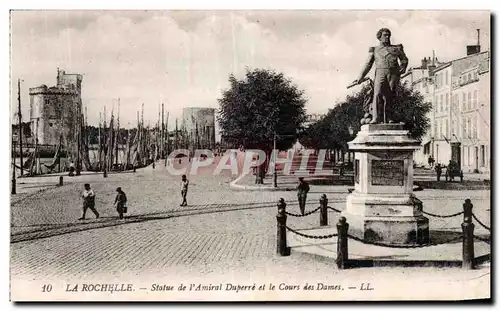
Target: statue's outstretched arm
(368, 65)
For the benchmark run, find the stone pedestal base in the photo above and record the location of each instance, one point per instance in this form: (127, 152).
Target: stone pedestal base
(394, 219)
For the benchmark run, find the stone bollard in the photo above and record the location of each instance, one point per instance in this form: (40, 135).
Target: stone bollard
(60, 181)
(281, 247)
(13, 186)
(342, 251)
(105, 174)
(467, 206)
(323, 212)
(468, 258)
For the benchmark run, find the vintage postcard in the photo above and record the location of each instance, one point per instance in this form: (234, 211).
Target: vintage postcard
(250, 155)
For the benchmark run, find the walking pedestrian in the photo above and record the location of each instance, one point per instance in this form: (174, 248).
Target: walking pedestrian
(71, 168)
(439, 171)
(184, 189)
(430, 161)
(302, 190)
(121, 202)
(88, 196)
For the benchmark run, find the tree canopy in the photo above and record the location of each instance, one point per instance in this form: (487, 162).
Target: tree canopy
(263, 103)
(332, 131)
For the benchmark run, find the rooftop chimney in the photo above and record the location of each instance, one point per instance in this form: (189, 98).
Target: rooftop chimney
(431, 65)
(474, 49)
(424, 63)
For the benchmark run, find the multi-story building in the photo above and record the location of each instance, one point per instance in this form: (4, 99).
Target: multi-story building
(470, 117)
(459, 91)
(484, 113)
(55, 111)
(420, 79)
(313, 118)
(440, 123)
(199, 126)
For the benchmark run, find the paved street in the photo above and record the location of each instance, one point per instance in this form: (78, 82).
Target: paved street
(222, 233)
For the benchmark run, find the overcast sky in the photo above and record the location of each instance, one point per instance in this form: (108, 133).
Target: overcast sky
(184, 58)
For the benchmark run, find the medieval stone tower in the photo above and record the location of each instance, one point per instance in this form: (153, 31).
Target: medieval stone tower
(56, 111)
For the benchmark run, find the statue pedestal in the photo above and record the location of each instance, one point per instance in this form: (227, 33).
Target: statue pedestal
(382, 207)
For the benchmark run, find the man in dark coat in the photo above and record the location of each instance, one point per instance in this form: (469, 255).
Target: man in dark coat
(302, 190)
(121, 202)
(184, 190)
(430, 161)
(439, 171)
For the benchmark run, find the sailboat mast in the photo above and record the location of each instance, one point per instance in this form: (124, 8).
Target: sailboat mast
(99, 153)
(143, 149)
(35, 158)
(78, 139)
(176, 135)
(127, 159)
(117, 141)
(111, 138)
(86, 127)
(138, 141)
(197, 138)
(158, 135)
(105, 147)
(166, 134)
(162, 136)
(167, 138)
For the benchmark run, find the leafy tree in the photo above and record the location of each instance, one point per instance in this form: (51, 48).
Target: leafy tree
(411, 109)
(256, 108)
(332, 132)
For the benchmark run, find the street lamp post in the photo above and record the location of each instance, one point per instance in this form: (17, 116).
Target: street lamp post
(13, 185)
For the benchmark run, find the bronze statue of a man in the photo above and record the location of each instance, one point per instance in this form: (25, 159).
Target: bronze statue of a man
(387, 73)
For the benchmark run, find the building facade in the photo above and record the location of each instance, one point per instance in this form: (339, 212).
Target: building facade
(55, 111)
(199, 126)
(471, 114)
(459, 91)
(440, 147)
(313, 118)
(420, 79)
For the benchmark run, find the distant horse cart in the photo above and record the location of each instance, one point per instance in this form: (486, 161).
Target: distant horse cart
(453, 170)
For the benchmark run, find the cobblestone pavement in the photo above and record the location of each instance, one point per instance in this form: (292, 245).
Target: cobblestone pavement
(236, 247)
(205, 239)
